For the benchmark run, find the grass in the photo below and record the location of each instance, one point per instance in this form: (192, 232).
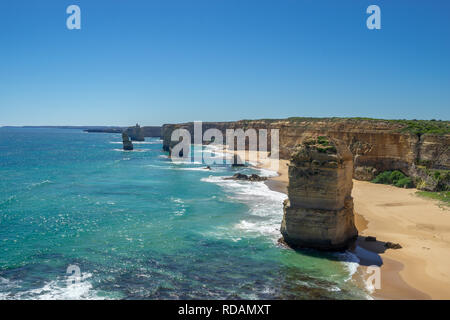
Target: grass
(443, 196)
(418, 127)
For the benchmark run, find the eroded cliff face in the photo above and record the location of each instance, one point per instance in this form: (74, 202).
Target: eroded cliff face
(152, 131)
(319, 210)
(376, 145)
(434, 151)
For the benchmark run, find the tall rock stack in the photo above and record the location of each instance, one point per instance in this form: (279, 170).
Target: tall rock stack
(127, 144)
(319, 210)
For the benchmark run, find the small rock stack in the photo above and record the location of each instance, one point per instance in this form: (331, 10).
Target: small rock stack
(127, 144)
(319, 210)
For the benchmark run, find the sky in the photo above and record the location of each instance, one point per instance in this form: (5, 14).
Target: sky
(169, 61)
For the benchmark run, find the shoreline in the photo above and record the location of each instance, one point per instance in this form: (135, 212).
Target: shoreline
(420, 269)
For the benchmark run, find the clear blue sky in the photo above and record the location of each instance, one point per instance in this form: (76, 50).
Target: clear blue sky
(167, 61)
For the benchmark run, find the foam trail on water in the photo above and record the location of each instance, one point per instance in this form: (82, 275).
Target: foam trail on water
(264, 216)
(265, 206)
(135, 150)
(267, 172)
(137, 142)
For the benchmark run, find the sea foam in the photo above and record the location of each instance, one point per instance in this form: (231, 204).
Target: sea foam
(265, 206)
(54, 290)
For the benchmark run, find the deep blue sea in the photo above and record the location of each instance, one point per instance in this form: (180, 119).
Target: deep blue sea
(141, 227)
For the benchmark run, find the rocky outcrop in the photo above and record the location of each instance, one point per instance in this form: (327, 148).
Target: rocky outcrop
(136, 133)
(364, 173)
(127, 144)
(391, 245)
(430, 180)
(319, 210)
(244, 177)
(433, 151)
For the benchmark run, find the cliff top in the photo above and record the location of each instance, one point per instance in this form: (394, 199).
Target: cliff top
(320, 150)
(417, 127)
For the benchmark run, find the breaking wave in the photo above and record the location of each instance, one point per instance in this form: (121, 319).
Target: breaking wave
(265, 206)
(52, 290)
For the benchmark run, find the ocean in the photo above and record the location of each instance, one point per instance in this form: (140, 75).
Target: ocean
(141, 227)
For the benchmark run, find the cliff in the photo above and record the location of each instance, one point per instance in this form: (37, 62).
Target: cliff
(319, 210)
(135, 133)
(376, 145)
(152, 131)
(104, 130)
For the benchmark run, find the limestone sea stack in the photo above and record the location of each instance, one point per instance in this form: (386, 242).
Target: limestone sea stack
(319, 210)
(127, 144)
(136, 133)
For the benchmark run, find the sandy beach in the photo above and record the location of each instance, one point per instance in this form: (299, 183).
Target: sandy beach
(421, 268)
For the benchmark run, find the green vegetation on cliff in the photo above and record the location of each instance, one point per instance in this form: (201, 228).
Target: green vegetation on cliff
(433, 179)
(425, 126)
(322, 144)
(395, 178)
(419, 127)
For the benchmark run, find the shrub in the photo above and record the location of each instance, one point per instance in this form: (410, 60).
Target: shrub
(395, 178)
(437, 175)
(384, 178)
(323, 141)
(404, 183)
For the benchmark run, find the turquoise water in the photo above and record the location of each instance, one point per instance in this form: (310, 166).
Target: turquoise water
(141, 227)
